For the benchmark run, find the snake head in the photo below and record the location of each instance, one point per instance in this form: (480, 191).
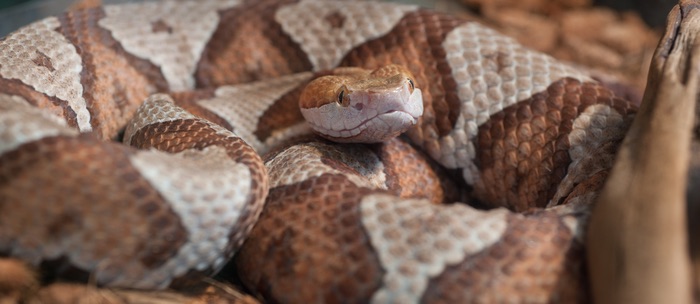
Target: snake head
(365, 106)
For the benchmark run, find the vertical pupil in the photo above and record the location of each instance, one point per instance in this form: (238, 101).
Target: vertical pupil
(340, 96)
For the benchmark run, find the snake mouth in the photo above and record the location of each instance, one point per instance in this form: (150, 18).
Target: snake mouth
(393, 116)
(378, 128)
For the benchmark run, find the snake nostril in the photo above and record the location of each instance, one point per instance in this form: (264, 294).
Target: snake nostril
(359, 106)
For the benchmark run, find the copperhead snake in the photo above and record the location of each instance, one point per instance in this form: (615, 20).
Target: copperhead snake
(516, 130)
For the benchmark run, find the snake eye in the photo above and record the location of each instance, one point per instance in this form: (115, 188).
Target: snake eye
(413, 86)
(341, 97)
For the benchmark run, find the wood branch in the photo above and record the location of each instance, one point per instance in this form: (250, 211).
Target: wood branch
(637, 242)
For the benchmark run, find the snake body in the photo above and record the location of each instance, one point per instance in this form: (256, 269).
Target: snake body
(221, 82)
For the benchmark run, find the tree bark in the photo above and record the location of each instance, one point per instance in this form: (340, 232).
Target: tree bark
(637, 244)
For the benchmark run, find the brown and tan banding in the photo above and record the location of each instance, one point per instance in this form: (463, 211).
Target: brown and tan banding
(313, 212)
(504, 127)
(248, 46)
(515, 74)
(245, 105)
(114, 82)
(167, 215)
(544, 145)
(427, 252)
(472, 71)
(547, 267)
(113, 254)
(231, 190)
(51, 67)
(415, 42)
(326, 40)
(329, 223)
(407, 167)
(171, 35)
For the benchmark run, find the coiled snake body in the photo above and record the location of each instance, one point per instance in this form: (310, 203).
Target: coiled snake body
(341, 222)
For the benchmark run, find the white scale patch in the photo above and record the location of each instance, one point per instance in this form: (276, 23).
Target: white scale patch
(169, 34)
(492, 72)
(22, 123)
(243, 105)
(302, 162)
(41, 42)
(207, 189)
(415, 240)
(309, 23)
(598, 124)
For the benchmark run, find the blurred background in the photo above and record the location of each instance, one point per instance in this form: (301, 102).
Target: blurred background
(614, 39)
